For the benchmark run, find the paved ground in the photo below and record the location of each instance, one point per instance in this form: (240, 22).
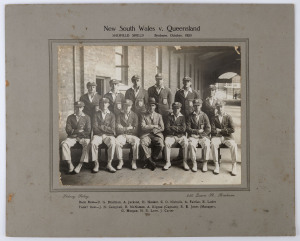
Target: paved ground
(174, 176)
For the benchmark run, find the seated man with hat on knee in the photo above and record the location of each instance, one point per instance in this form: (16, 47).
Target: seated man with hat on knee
(152, 126)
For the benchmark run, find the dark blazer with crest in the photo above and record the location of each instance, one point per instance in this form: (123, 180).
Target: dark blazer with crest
(104, 126)
(193, 125)
(187, 102)
(139, 102)
(122, 124)
(227, 126)
(163, 99)
(73, 126)
(175, 127)
(115, 106)
(89, 107)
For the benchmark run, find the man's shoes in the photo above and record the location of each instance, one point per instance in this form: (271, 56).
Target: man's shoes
(217, 168)
(133, 165)
(204, 168)
(185, 166)
(152, 164)
(149, 164)
(167, 166)
(78, 168)
(120, 165)
(194, 168)
(110, 168)
(234, 172)
(71, 167)
(96, 167)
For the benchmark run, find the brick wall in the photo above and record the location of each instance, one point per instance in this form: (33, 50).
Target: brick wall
(149, 66)
(98, 61)
(134, 62)
(91, 61)
(65, 86)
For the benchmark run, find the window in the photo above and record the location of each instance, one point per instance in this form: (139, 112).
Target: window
(121, 62)
(158, 59)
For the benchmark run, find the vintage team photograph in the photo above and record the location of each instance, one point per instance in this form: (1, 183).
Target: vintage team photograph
(149, 115)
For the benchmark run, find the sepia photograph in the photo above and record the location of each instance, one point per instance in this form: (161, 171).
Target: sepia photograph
(165, 120)
(149, 115)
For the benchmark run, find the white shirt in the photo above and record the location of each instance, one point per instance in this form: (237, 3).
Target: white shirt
(211, 100)
(78, 116)
(136, 91)
(158, 89)
(220, 118)
(91, 96)
(185, 92)
(176, 116)
(126, 115)
(104, 113)
(114, 95)
(197, 115)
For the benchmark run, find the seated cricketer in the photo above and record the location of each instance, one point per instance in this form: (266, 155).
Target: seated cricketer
(104, 131)
(78, 128)
(127, 128)
(175, 133)
(198, 129)
(222, 128)
(152, 126)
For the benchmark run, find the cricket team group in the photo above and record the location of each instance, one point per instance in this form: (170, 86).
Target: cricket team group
(151, 122)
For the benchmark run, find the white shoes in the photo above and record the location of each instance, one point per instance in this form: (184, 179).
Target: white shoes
(133, 165)
(194, 168)
(167, 166)
(71, 167)
(78, 168)
(234, 172)
(217, 168)
(110, 168)
(185, 166)
(204, 168)
(120, 165)
(96, 167)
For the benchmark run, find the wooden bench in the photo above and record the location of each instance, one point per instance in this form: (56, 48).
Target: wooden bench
(177, 145)
(77, 146)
